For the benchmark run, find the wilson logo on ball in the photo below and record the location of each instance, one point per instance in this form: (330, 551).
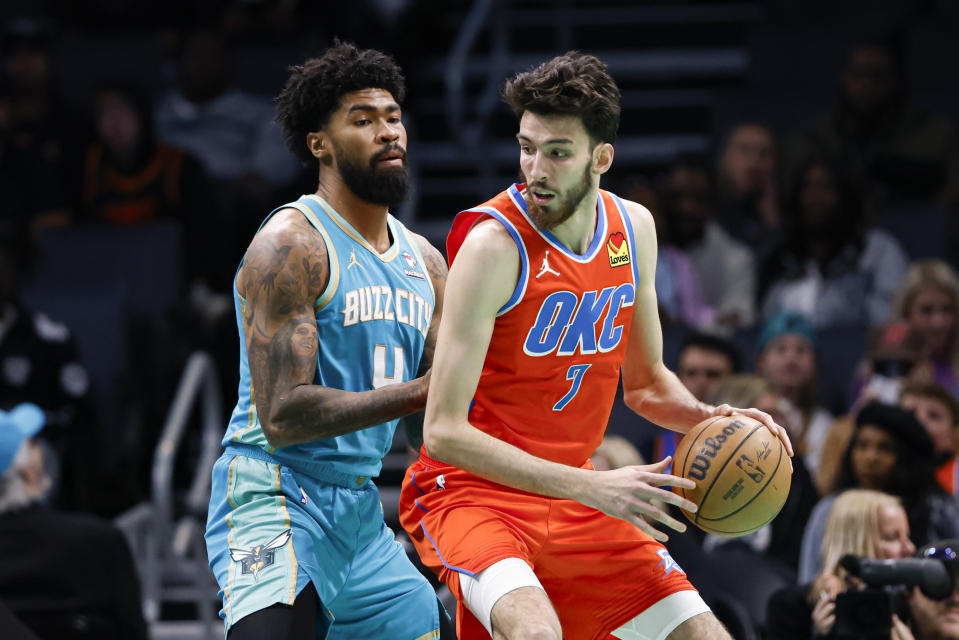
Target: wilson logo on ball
(711, 446)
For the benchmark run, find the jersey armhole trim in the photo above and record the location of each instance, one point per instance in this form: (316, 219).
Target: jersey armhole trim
(334, 279)
(520, 290)
(627, 223)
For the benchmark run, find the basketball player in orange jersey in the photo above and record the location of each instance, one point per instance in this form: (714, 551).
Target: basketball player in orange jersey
(550, 295)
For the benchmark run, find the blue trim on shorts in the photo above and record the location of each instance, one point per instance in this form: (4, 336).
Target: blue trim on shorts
(442, 559)
(413, 480)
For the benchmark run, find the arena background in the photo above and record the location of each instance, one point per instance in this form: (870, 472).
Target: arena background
(148, 305)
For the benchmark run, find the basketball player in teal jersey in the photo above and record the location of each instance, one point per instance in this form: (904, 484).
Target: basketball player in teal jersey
(337, 304)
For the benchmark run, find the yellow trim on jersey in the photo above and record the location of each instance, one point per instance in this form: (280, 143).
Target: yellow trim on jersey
(229, 540)
(250, 415)
(293, 562)
(348, 229)
(431, 635)
(334, 280)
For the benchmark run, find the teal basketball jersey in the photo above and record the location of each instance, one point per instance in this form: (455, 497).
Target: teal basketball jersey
(372, 320)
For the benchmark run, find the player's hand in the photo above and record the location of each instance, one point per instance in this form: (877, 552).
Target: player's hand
(761, 416)
(628, 493)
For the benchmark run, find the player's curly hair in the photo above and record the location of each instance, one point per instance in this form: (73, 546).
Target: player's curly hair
(571, 84)
(314, 89)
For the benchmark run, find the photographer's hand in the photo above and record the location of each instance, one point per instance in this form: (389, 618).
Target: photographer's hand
(899, 630)
(824, 614)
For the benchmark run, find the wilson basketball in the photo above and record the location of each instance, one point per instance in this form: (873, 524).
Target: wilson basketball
(742, 474)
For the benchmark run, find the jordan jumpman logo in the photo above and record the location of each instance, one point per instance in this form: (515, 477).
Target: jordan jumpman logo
(546, 268)
(352, 260)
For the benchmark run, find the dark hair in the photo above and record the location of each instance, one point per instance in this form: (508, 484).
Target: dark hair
(913, 476)
(709, 342)
(934, 391)
(575, 84)
(315, 88)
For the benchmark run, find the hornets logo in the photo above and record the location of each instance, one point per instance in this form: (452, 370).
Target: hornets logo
(260, 556)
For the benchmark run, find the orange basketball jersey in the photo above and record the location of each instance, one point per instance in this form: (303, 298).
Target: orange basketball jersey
(552, 368)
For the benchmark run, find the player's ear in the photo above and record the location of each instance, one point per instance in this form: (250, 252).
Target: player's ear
(319, 145)
(602, 157)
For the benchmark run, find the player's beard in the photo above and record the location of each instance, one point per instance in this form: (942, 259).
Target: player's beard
(387, 186)
(563, 205)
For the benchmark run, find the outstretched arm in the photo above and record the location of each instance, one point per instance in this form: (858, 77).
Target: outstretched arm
(481, 280)
(285, 270)
(649, 387)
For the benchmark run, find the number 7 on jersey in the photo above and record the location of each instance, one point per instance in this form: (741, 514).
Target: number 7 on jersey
(575, 373)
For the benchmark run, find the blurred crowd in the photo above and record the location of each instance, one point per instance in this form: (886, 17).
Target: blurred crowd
(810, 272)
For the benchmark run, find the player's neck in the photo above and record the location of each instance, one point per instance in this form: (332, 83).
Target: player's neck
(367, 218)
(576, 232)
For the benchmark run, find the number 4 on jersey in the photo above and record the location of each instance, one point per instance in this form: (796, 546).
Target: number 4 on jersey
(575, 373)
(380, 379)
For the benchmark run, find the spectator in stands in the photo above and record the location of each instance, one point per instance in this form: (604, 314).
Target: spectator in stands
(938, 411)
(787, 360)
(781, 538)
(894, 357)
(861, 522)
(42, 125)
(130, 178)
(704, 362)
(678, 289)
(937, 619)
(748, 202)
(829, 266)
(928, 299)
(900, 148)
(60, 573)
(30, 185)
(229, 130)
(890, 451)
(39, 364)
(723, 264)
(615, 452)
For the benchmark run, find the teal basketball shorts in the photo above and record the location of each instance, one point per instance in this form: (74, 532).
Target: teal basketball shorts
(271, 531)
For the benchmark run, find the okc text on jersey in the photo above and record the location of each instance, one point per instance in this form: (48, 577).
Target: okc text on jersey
(380, 302)
(570, 323)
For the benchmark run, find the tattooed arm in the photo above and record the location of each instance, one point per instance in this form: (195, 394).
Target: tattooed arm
(285, 270)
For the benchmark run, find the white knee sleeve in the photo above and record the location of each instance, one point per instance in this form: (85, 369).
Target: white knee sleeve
(481, 592)
(659, 620)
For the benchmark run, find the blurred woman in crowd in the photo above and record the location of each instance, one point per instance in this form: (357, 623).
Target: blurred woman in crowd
(862, 522)
(927, 299)
(890, 451)
(829, 266)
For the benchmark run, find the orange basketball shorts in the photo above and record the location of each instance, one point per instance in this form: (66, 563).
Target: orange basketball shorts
(599, 572)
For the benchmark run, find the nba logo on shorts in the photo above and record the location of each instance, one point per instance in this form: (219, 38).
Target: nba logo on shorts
(668, 564)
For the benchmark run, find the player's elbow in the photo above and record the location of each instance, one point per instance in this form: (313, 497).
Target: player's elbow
(276, 428)
(437, 439)
(635, 399)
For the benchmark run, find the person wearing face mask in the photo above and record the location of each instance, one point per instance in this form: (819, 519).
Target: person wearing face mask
(862, 522)
(889, 451)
